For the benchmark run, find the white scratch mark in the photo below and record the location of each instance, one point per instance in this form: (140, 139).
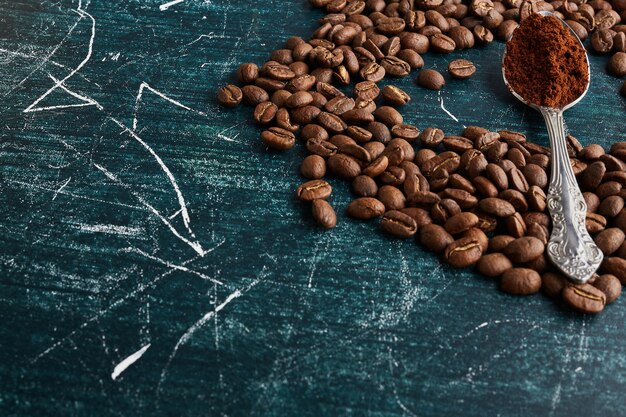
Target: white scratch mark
(59, 83)
(167, 5)
(121, 367)
(178, 267)
(56, 193)
(446, 110)
(111, 229)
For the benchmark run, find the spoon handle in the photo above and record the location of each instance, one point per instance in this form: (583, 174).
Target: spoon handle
(570, 247)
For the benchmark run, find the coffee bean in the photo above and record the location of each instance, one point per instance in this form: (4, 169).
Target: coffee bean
(499, 242)
(524, 249)
(264, 112)
(617, 64)
(391, 197)
(388, 115)
(253, 95)
(537, 199)
(405, 131)
(331, 122)
(247, 73)
(435, 238)
(592, 176)
(398, 224)
(278, 138)
(366, 90)
(592, 201)
(431, 79)
(584, 298)
(610, 240)
(485, 187)
(445, 209)
(615, 266)
(539, 231)
(321, 147)
(313, 167)
(535, 175)
(299, 99)
(520, 281)
(314, 190)
(497, 175)
(324, 214)
(463, 37)
(395, 96)
(372, 72)
(608, 189)
(517, 180)
(493, 265)
(515, 225)
(464, 199)
(283, 120)
(395, 67)
(442, 43)
(229, 96)
(463, 252)
(457, 144)
(482, 34)
(496, 207)
(553, 283)
(411, 57)
(460, 222)
(461, 69)
(364, 186)
(611, 206)
(610, 286)
(431, 137)
(343, 166)
(479, 236)
(305, 115)
(591, 152)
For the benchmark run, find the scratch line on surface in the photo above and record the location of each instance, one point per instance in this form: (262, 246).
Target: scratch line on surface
(140, 289)
(58, 84)
(446, 110)
(202, 321)
(56, 193)
(175, 266)
(147, 86)
(167, 5)
(166, 170)
(111, 229)
(402, 406)
(122, 366)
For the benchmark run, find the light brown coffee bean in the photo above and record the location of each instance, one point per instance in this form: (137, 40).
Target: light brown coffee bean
(324, 214)
(496, 207)
(365, 208)
(278, 138)
(499, 242)
(494, 264)
(364, 186)
(463, 252)
(460, 222)
(391, 197)
(584, 298)
(520, 281)
(230, 95)
(615, 266)
(313, 167)
(395, 96)
(610, 286)
(343, 166)
(398, 224)
(435, 238)
(610, 240)
(461, 69)
(524, 249)
(431, 79)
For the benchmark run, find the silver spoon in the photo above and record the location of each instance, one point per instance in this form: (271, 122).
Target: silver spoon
(570, 247)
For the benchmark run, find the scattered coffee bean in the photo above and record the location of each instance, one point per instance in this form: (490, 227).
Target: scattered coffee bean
(494, 264)
(324, 214)
(431, 79)
(463, 252)
(584, 298)
(313, 167)
(395, 96)
(461, 69)
(229, 96)
(398, 224)
(314, 190)
(278, 138)
(365, 208)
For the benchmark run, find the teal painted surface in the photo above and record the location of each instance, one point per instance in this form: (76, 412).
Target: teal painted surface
(277, 318)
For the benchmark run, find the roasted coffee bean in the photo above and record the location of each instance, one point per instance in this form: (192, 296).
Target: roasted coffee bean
(499, 242)
(493, 265)
(536, 198)
(524, 249)
(435, 238)
(463, 252)
(431, 79)
(486, 223)
(247, 73)
(395, 154)
(536, 217)
(393, 176)
(591, 152)
(517, 199)
(485, 187)
(359, 134)
(420, 216)
(445, 209)
(461, 69)
(612, 163)
(377, 167)
(354, 150)
(463, 37)
(408, 150)
(610, 240)
(517, 180)
(264, 112)
(314, 190)
(497, 175)
(448, 161)
(372, 72)
(595, 223)
(411, 57)
(253, 95)
(464, 199)
(374, 148)
(610, 286)
(388, 115)
(611, 206)
(520, 281)
(608, 189)
(321, 147)
(539, 231)
(283, 120)
(340, 141)
(278, 138)
(395, 96)
(615, 266)
(552, 284)
(398, 224)
(479, 236)
(515, 225)
(331, 122)
(324, 214)
(357, 116)
(229, 96)
(280, 97)
(313, 131)
(592, 176)
(304, 115)
(460, 222)
(496, 207)
(395, 67)
(364, 186)
(592, 201)
(617, 64)
(442, 43)
(404, 131)
(584, 298)
(431, 137)
(343, 166)
(299, 99)
(365, 208)
(482, 34)
(380, 132)
(313, 167)
(457, 144)
(391, 197)
(366, 90)
(535, 175)
(462, 183)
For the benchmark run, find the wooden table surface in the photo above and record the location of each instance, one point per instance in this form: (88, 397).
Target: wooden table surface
(154, 261)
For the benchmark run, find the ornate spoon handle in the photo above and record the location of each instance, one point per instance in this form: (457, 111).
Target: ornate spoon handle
(570, 247)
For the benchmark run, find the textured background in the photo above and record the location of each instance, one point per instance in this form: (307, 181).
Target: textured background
(136, 214)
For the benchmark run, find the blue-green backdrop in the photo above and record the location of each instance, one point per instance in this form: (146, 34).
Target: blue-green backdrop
(137, 216)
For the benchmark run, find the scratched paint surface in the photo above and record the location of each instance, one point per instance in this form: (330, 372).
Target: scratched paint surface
(154, 262)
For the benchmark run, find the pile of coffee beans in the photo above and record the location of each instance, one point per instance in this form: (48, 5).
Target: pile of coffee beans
(476, 198)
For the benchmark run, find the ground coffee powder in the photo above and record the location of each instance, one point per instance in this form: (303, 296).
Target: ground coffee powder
(545, 63)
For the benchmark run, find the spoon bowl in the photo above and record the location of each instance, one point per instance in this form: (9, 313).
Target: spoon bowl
(570, 247)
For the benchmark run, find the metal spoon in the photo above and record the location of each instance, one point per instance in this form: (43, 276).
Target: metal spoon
(570, 247)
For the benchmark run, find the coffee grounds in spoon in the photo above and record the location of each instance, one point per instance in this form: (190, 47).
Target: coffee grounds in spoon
(545, 63)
